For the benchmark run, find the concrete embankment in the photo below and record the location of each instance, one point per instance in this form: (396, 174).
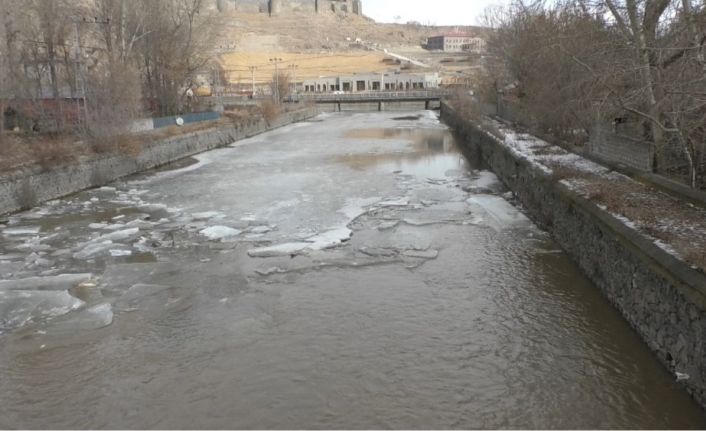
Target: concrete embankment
(661, 296)
(25, 189)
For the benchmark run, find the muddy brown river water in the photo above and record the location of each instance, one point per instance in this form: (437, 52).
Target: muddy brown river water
(354, 271)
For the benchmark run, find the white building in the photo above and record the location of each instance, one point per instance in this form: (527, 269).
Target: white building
(456, 42)
(391, 81)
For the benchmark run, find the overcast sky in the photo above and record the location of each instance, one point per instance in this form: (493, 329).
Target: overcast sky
(439, 12)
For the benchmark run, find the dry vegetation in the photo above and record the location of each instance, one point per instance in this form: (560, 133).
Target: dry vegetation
(46, 152)
(672, 221)
(676, 224)
(569, 63)
(309, 66)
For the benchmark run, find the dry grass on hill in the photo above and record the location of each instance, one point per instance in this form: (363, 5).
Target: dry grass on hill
(309, 66)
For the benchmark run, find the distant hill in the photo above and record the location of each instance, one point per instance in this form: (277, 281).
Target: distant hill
(313, 45)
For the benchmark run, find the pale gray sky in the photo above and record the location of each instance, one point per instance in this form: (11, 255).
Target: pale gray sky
(439, 12)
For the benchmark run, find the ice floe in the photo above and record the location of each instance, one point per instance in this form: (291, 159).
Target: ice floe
(207, 215)
(215, 233)
(500, 212)
(20, 231)
(58, 282)
(19, 307)
(322, 241)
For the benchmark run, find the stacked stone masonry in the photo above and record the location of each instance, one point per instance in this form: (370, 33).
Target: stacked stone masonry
(662, 297)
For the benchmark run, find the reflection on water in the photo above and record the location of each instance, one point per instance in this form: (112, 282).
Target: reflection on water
(431, 153)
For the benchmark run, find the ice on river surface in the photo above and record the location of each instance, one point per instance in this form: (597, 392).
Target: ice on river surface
(19, 307)
(58, 282)
(215, 233)
(326, 240)
(19, 231)
(500, 213)
(121, 235)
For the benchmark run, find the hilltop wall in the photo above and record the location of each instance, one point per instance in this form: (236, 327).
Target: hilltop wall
(278, 7)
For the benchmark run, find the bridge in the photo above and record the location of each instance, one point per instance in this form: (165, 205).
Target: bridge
(379, 97)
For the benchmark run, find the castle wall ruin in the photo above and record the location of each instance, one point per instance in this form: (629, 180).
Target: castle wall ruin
(283, 7)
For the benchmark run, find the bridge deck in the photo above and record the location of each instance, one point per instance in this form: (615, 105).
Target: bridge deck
(374, 97)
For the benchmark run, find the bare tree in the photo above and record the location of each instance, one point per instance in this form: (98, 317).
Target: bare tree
(575, 59)
(281, 85)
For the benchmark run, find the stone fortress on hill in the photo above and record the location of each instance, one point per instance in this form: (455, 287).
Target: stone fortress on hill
(283, 7)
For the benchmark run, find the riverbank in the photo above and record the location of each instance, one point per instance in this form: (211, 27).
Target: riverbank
(22, 189)
(642, 248)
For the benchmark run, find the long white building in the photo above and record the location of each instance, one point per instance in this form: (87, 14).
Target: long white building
(391, 81)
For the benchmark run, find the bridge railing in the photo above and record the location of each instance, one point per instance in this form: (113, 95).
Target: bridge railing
(371, 95)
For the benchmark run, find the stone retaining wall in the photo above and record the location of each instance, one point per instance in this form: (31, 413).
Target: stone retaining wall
(662, 297)
(26, 189)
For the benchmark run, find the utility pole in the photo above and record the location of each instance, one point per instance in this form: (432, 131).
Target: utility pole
(252, 71)
(80, 78)
(276, 62)
(293, 68)
(80, 98)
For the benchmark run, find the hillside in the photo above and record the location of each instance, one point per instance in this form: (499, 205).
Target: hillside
(323, 44)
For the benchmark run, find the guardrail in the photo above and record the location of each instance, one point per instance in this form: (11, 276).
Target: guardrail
(371, 96)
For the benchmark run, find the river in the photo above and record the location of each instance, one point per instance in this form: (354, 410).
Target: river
(353, 271)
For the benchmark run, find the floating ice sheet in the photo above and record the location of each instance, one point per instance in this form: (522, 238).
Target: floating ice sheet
(19, 231)
(328, 239)
(56, 283)
(500, 212)
(19, 307)
(215, 233)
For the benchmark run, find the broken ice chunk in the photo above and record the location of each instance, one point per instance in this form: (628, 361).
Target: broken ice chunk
(99, 316)
(19, 307)
(261, 230)
(58, 282)
(422, 254)
(501, 213)
(206, 215)
(330, 238)
(395, 203)
(322, 241)
(215, 233)
(287, 249)
(120, 235)
(95, 317)
(17, 231)
(93, 249)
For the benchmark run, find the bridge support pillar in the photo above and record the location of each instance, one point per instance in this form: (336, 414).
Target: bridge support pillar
(426, 104)
(338, 106)
(381, 106)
